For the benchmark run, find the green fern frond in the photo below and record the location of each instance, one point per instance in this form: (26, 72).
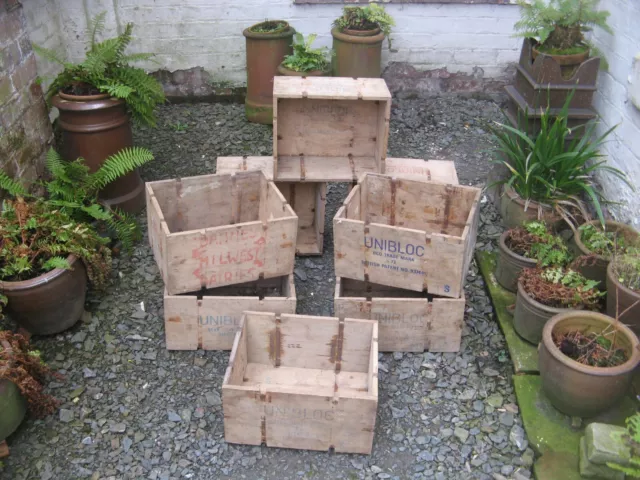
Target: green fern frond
(119, 164)
(96, 212)
(11, 186)
(137, 57)
(118, 90)
(126, 229)
(55, 165)
(49, 54)
(96, 27)
(56, 262)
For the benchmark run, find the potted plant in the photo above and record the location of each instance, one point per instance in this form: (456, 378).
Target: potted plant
(74, 190)
(45, 259)
(357, 40)
(548, 174)
(557, 28)
(306, 61)
(525, 247)
(597, 244)
(267, 43)
(623, 289)
(586, 361)
(95, 98)
(22, 374)
(543, 293)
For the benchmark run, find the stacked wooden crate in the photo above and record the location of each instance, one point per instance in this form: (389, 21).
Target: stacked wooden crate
(223, 244)
(402, 251)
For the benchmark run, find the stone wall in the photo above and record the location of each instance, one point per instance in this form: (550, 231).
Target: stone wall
(436, 47)
(615, 105)
(25, 130)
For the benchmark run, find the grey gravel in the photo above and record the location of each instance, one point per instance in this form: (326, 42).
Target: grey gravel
(153, 414)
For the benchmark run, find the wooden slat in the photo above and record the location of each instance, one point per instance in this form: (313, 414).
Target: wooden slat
(330, 88)
(308, 201)
(339, 169)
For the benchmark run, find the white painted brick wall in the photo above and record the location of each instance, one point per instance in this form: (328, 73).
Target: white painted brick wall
(208, 33)
(615, 108)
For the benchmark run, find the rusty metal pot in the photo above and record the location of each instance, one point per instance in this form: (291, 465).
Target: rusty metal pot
(596, 267)
(51, 302)
(287, 72)
(618, 293)
(265, 51)
(13, 406)
(358, 53)
(95, 127)
(580, 390)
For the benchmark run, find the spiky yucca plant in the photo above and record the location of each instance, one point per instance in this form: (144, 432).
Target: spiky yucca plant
(559, 25)
(106, 69)
(74, 190)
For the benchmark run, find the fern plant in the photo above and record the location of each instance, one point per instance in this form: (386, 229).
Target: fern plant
(632, 439)
(35, 238)
(106, 69)
(74, 190)
(559, 25)
(305, 58)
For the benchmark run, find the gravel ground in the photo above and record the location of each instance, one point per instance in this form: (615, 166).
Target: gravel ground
(133, 410)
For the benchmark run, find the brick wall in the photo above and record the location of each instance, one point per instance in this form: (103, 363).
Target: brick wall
(616, 108)
(435, 46)
(25, 130)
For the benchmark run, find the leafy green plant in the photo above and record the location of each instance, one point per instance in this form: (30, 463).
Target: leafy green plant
(35, 238)
(106, 69)
(604, 242)
(632, 439)
(180, 127)
(366, 18)
(561, 288)
(24, 367)
(549, 169)
(559, 25)
(626, 268)
(534, 240)
(269, 26)
(305, 58)
(74, 190)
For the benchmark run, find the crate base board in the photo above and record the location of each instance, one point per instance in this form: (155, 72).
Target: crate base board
(442, 171)
(408, 321)
(209, 320)
(307, 244)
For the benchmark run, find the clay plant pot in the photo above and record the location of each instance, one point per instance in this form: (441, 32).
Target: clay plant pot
(617, 293)
(579, 390)
(572, 60)
(510, 265)
(531, 316)
(50, 303)
(358, 53)
(514, 215)
(287, 72)
(95, 127)
(13, 406)
(265, 51)
(596, 267)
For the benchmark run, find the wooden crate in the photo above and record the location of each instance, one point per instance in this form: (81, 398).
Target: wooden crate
(443, 171)
(330, 129)
(308, 200)
(408, 321)
(410, 234)
(216, 230)
(302, 382)
(210, 319)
